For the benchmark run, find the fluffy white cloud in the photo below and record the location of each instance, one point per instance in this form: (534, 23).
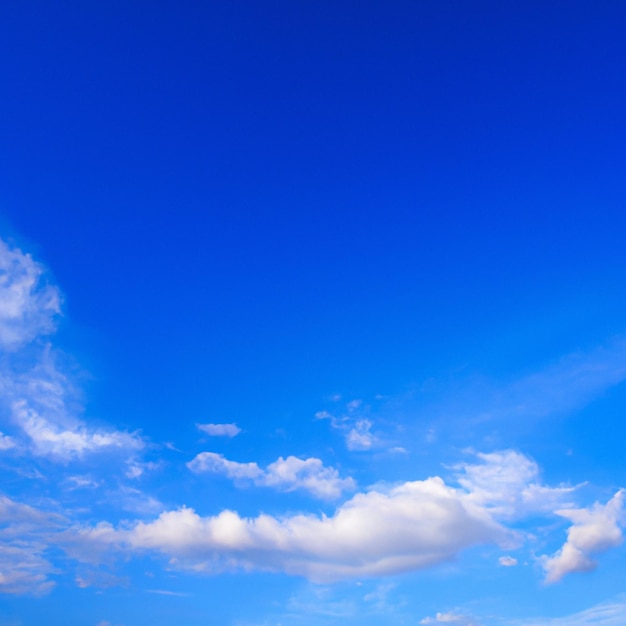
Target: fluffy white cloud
(413, 526)
(28, 306)
(220, 430)
(594, 530)
(284, 474)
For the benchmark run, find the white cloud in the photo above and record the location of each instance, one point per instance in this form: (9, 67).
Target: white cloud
(28, 306)
(594, 530)
(507, 561)
(220, 430)
(415, 525)
(284, 474)
(412, 526)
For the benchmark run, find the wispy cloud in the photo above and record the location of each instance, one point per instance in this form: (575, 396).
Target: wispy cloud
(40, 398)
(166, 592)
(571, 383)
(28, 305)
(356, 428)
(612, 613)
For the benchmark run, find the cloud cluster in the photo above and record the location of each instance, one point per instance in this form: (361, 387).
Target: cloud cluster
(414, 525)
(283, 474)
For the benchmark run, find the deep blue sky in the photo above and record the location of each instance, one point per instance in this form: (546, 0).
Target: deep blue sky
(249, 207)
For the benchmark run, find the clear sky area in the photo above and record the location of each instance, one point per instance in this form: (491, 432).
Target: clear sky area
(312, 313)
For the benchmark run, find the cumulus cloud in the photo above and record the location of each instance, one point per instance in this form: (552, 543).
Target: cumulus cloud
(284, 474)
(28, 305)
(413, 526)
(220, 430)
(594, 530)
(507, 561)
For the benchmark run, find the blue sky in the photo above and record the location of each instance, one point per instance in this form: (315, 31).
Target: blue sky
(312, 313)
